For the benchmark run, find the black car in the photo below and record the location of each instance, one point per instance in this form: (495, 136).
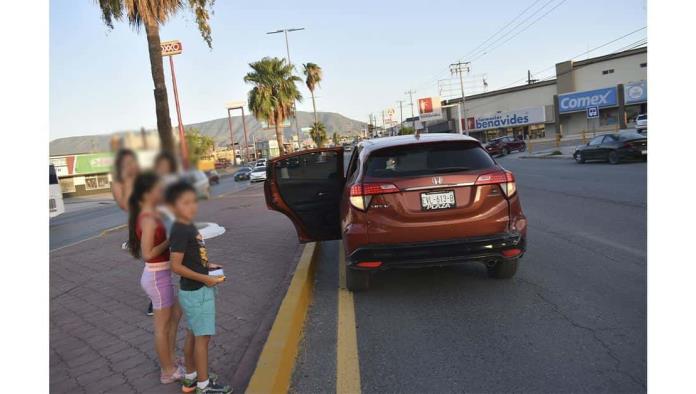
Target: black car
(613, 148)
(242, 174)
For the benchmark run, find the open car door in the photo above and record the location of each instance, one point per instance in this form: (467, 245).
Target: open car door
(307, 187)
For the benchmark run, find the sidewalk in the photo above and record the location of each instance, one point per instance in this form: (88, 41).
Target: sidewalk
(102, 341)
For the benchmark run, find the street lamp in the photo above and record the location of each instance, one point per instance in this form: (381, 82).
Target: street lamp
(169, 49)
(287, 48)
(232, 105)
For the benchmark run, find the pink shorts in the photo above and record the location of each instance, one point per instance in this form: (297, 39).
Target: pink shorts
(157, 283)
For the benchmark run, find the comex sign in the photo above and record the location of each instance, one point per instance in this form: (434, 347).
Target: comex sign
(580, 101)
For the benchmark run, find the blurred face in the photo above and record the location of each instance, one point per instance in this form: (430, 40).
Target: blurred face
(186, 206)
(163, 167)
(129, 167)
(156, 195)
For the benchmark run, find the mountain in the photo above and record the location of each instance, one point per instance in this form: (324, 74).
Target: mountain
(218, 129)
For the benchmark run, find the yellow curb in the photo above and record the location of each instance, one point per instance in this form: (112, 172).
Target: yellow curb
(347, 358)
(277, 361)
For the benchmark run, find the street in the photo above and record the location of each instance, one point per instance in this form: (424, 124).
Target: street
(102, 214)
(573, 318)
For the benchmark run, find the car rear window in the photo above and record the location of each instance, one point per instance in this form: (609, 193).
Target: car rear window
(427, 159)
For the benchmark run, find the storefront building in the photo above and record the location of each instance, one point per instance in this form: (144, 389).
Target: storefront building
(84, 174)
(615, 83)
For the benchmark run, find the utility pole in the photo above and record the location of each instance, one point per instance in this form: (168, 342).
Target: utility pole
(459, 68)
(401, 114)
(410, 95)
(287, 48)
(529, 78)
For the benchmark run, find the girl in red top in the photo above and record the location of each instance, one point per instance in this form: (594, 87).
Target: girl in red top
(147, 239)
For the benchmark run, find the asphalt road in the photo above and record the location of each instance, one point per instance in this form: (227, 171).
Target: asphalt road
(573, 319)
(84, 223)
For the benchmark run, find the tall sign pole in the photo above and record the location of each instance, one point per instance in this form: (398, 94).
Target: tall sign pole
(232, 105)
(169, 49)
(229, 123)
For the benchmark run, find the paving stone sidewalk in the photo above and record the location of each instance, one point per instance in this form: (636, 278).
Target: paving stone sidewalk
(101, 340)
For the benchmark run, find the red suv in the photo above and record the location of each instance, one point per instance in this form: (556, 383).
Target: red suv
(504, 145)
(406, 201)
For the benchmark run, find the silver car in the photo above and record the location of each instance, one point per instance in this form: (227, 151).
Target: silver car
(200, 182)
(258, 174)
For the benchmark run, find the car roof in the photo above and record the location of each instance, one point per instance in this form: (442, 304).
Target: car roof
(388, 142)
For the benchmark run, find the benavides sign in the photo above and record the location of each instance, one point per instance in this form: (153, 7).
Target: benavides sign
(580, 101)
(520, 117)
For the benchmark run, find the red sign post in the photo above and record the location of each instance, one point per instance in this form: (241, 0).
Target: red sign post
(171, 48)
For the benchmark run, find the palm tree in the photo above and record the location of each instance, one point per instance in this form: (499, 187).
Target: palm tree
(313, 73)
(151, 14)
(274, 92)
(318, 134)
(336, 138)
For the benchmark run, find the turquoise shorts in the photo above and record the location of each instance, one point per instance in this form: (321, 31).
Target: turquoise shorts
(199, 310)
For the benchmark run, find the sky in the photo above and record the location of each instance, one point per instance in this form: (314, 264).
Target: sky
(371, 52)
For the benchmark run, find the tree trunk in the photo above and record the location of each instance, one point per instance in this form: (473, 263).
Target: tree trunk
(279, 136)
(164, 122)
(314, 104)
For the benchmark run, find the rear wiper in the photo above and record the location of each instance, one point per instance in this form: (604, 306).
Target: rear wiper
(450, 169)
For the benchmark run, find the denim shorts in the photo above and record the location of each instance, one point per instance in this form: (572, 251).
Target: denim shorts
(199, 310)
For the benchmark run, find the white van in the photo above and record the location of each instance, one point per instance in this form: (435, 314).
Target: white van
(55, 194)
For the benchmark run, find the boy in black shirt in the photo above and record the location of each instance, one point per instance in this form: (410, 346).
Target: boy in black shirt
(189, 259)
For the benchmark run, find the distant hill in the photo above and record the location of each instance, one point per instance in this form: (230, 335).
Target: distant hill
(218, 129)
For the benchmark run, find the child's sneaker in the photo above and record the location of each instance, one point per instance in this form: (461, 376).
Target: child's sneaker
(214, 388)
(178, 374)
(189, 385)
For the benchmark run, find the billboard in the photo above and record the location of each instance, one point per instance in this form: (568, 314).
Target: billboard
(636, 92)
(390, 117)
(429, 108)
(520, 117)
(580, 101)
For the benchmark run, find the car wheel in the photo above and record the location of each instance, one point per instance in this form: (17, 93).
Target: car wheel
(504, 269)
(504, 152)
(579, 158)
(523, 148)
(357, 280)
(613, 157)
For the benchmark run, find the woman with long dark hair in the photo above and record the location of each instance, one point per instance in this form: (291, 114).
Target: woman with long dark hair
(125, 170)
(147, 239)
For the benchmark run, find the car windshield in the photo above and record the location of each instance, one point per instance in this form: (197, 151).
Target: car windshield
(260, 169)
(426, 159)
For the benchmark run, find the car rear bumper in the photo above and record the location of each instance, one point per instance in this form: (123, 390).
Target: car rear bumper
(438, 253)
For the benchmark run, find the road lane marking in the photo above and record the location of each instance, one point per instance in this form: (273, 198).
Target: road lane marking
(347, 359)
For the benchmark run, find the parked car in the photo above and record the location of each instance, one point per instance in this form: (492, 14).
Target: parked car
(504, 145)
(642, 122)
(613, 148)
(213, 177)
(405, 201)
(261, 163)
(242, 174)
(258, 174)
(200, 182)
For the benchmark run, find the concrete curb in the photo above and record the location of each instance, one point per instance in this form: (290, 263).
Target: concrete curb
(556, 157)
(277, 360)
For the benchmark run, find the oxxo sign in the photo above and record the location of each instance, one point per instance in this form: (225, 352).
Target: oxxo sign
(580, 101)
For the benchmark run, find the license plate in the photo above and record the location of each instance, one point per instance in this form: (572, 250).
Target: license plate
(645, 152)
(437, 200)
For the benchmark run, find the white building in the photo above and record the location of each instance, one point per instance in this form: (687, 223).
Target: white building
(616, 84)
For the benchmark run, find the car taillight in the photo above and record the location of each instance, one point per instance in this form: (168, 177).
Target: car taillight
(361, 194)
(503, 178)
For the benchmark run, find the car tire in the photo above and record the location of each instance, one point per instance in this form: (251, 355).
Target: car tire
(504, 269)
(579, 158)
(523, 148)
(504, 152)
(357, 280)
(613, 157)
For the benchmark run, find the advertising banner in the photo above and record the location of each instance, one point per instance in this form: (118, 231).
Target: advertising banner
(93, 163)
(429, 108)
(636, 92)
(579, 101)
(390, 117)
(520, 117)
